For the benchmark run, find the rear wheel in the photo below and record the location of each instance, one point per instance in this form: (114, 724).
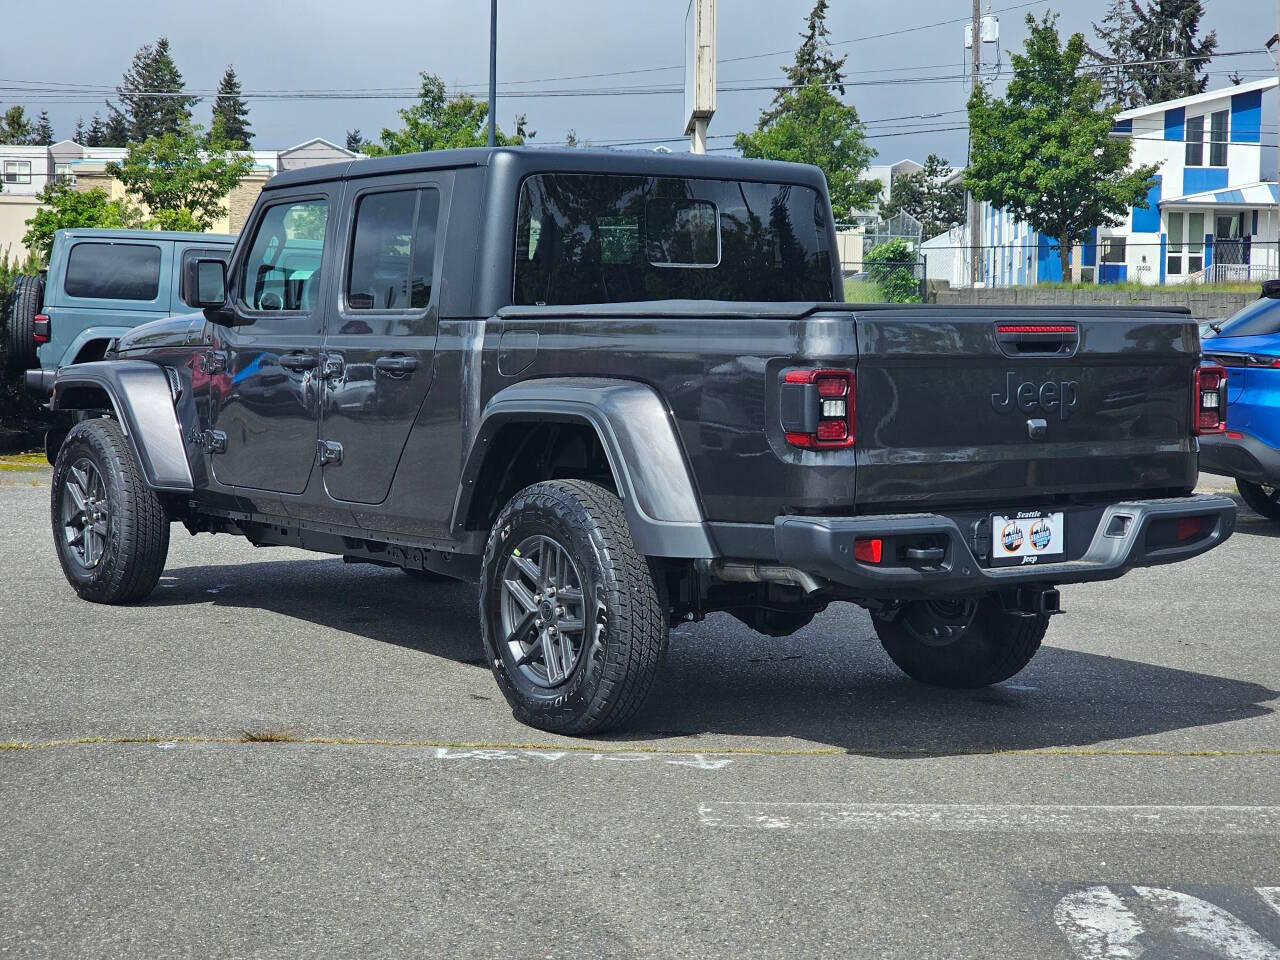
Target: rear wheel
(571, 616)
(960, 643)
(20, 345)
(1262, 498)
(111, 531)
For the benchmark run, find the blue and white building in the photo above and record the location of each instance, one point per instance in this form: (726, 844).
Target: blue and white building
(1212, 214)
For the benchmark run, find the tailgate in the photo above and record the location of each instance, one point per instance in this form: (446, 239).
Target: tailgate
(982, 405)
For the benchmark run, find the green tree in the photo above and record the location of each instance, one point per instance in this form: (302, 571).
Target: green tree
(151, 93)
(65, 208)
(928, 197)
(813, 62)
(15, 128)
(182, 177)
(95, 136)
(439, 122)
(1045, 151)
(115, 133)
(356, 141)
(892, 268)
(78, 136)
(1169, 30)
(1117, 70)
(43, 132)
(813, 126)
(230, 112)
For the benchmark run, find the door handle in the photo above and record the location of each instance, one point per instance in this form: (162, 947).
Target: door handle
(298, 361)
(396, 364)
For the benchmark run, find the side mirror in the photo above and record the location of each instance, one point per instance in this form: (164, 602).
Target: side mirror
(205, 283)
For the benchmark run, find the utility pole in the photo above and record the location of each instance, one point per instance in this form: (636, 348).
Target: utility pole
(975, 248)
(493, 72)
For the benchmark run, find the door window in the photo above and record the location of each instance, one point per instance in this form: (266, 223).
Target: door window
(113, 271)
(282, 270)
(1186, 243)
(393, 251)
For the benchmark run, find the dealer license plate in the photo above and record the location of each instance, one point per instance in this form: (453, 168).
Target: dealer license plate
(1026, 537)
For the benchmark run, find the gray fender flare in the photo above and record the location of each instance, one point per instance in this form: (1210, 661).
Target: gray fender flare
(142, 402)
(639, 440)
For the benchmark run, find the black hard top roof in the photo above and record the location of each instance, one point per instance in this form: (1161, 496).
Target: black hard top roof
(521, 161)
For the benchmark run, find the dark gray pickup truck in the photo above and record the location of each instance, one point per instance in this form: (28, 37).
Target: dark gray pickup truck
(620, 392)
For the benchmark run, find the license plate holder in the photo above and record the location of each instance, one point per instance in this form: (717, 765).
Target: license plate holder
(1027, 537)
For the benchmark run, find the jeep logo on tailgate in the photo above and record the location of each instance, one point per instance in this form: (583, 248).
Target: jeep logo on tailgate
(1050, 396)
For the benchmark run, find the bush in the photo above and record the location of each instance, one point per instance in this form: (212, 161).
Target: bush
(892, 267)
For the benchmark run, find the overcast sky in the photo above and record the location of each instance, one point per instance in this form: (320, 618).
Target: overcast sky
(382, 44)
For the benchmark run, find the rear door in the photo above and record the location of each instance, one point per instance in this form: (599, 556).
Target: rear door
(380, 346)
(974, 406)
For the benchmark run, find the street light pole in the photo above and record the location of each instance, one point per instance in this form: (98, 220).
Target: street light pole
(975, 250)
(493, 72)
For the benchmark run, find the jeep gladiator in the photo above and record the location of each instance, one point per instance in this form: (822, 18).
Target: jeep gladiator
(620, 391)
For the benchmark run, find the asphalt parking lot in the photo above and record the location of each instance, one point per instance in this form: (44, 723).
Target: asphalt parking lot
(788, 798)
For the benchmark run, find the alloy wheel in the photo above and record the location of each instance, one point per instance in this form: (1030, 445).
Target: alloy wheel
(542, 612)
(84, 513)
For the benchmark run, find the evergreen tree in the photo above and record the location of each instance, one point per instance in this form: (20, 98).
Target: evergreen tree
(1118, 75)
(116, 131)
(96, 135)
(355, 140)
(928, 197)
(43, 133)
(15, 128)
(1168, 30)
(78, 136)
(151, 94)
(231, 113)
(813, 61)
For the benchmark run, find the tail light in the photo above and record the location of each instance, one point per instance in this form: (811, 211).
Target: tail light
(40, 328)
(818, 408)
(1270, 363)
(1209, 402)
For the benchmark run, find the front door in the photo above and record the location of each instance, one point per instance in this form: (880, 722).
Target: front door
(263, 368)
(380, 347)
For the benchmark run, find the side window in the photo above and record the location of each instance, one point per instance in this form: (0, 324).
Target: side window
(113, 271)
(393, 250)
(282, 270)
(198, 253)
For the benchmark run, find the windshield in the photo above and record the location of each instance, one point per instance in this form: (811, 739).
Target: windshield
(1259, 319)
(593, 238)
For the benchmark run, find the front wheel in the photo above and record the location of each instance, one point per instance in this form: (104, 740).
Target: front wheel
(960, 643)
(110, 530)
(571, 616)
(1263, 499)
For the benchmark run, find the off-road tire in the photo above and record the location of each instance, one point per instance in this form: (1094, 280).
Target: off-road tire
(27, 301)
(626, 631)
(426, 576)
(137, 541)
(1259, 500)
(995, 646)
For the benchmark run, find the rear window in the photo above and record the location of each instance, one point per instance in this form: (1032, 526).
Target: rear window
(1260, 319)
(593, 238)
(113, 271)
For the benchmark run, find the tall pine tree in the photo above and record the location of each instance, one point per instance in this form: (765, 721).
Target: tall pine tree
(96, 135)
(115, 133)
(231, 113)
(814, 61)
(43, 133)
(78, 136)
(151, 93)
(1117, 73)
(1168, 30)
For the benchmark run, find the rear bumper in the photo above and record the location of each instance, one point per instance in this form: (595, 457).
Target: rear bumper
(39, 382)
(1245, 459)
(1139, 533)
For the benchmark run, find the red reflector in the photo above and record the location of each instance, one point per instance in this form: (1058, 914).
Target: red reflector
(832, 386)
(805, 440)
(1036, 328)
(1232, 435)
(40, 328)
(868, 549)
(832, 430)
(1189, 527)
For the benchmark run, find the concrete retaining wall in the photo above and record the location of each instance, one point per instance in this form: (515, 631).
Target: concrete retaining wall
(1204, 304)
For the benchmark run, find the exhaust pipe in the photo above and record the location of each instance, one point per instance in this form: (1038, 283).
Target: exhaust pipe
(744, 571)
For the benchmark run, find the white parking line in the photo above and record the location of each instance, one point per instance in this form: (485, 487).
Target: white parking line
(973, 817)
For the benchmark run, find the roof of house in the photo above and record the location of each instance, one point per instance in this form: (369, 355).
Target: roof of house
(1192, 100)
(1259, 193)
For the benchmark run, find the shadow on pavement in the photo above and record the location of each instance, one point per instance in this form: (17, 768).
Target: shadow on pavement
(829, 684)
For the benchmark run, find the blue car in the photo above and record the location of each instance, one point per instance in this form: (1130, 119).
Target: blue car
(1248, 346)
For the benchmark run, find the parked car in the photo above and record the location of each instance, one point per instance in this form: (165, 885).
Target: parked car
(620, 391)
(1247, 345)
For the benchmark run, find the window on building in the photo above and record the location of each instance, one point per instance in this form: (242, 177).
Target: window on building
(1195, 141)
(17, 171)
(1113, 249)
(393, 251)
(1218, 138)
(114, 271)
(283, 264)
(1186, 243)
(62, 173)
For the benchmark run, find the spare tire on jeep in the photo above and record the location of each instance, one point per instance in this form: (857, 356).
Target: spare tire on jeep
(20, 346)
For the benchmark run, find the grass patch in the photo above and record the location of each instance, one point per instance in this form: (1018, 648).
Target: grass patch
(23, 462)
(1132, 286)
(14, 745)
(267, 736)
(862, 291)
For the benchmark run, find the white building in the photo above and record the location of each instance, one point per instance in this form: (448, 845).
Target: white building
(1212, 214)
